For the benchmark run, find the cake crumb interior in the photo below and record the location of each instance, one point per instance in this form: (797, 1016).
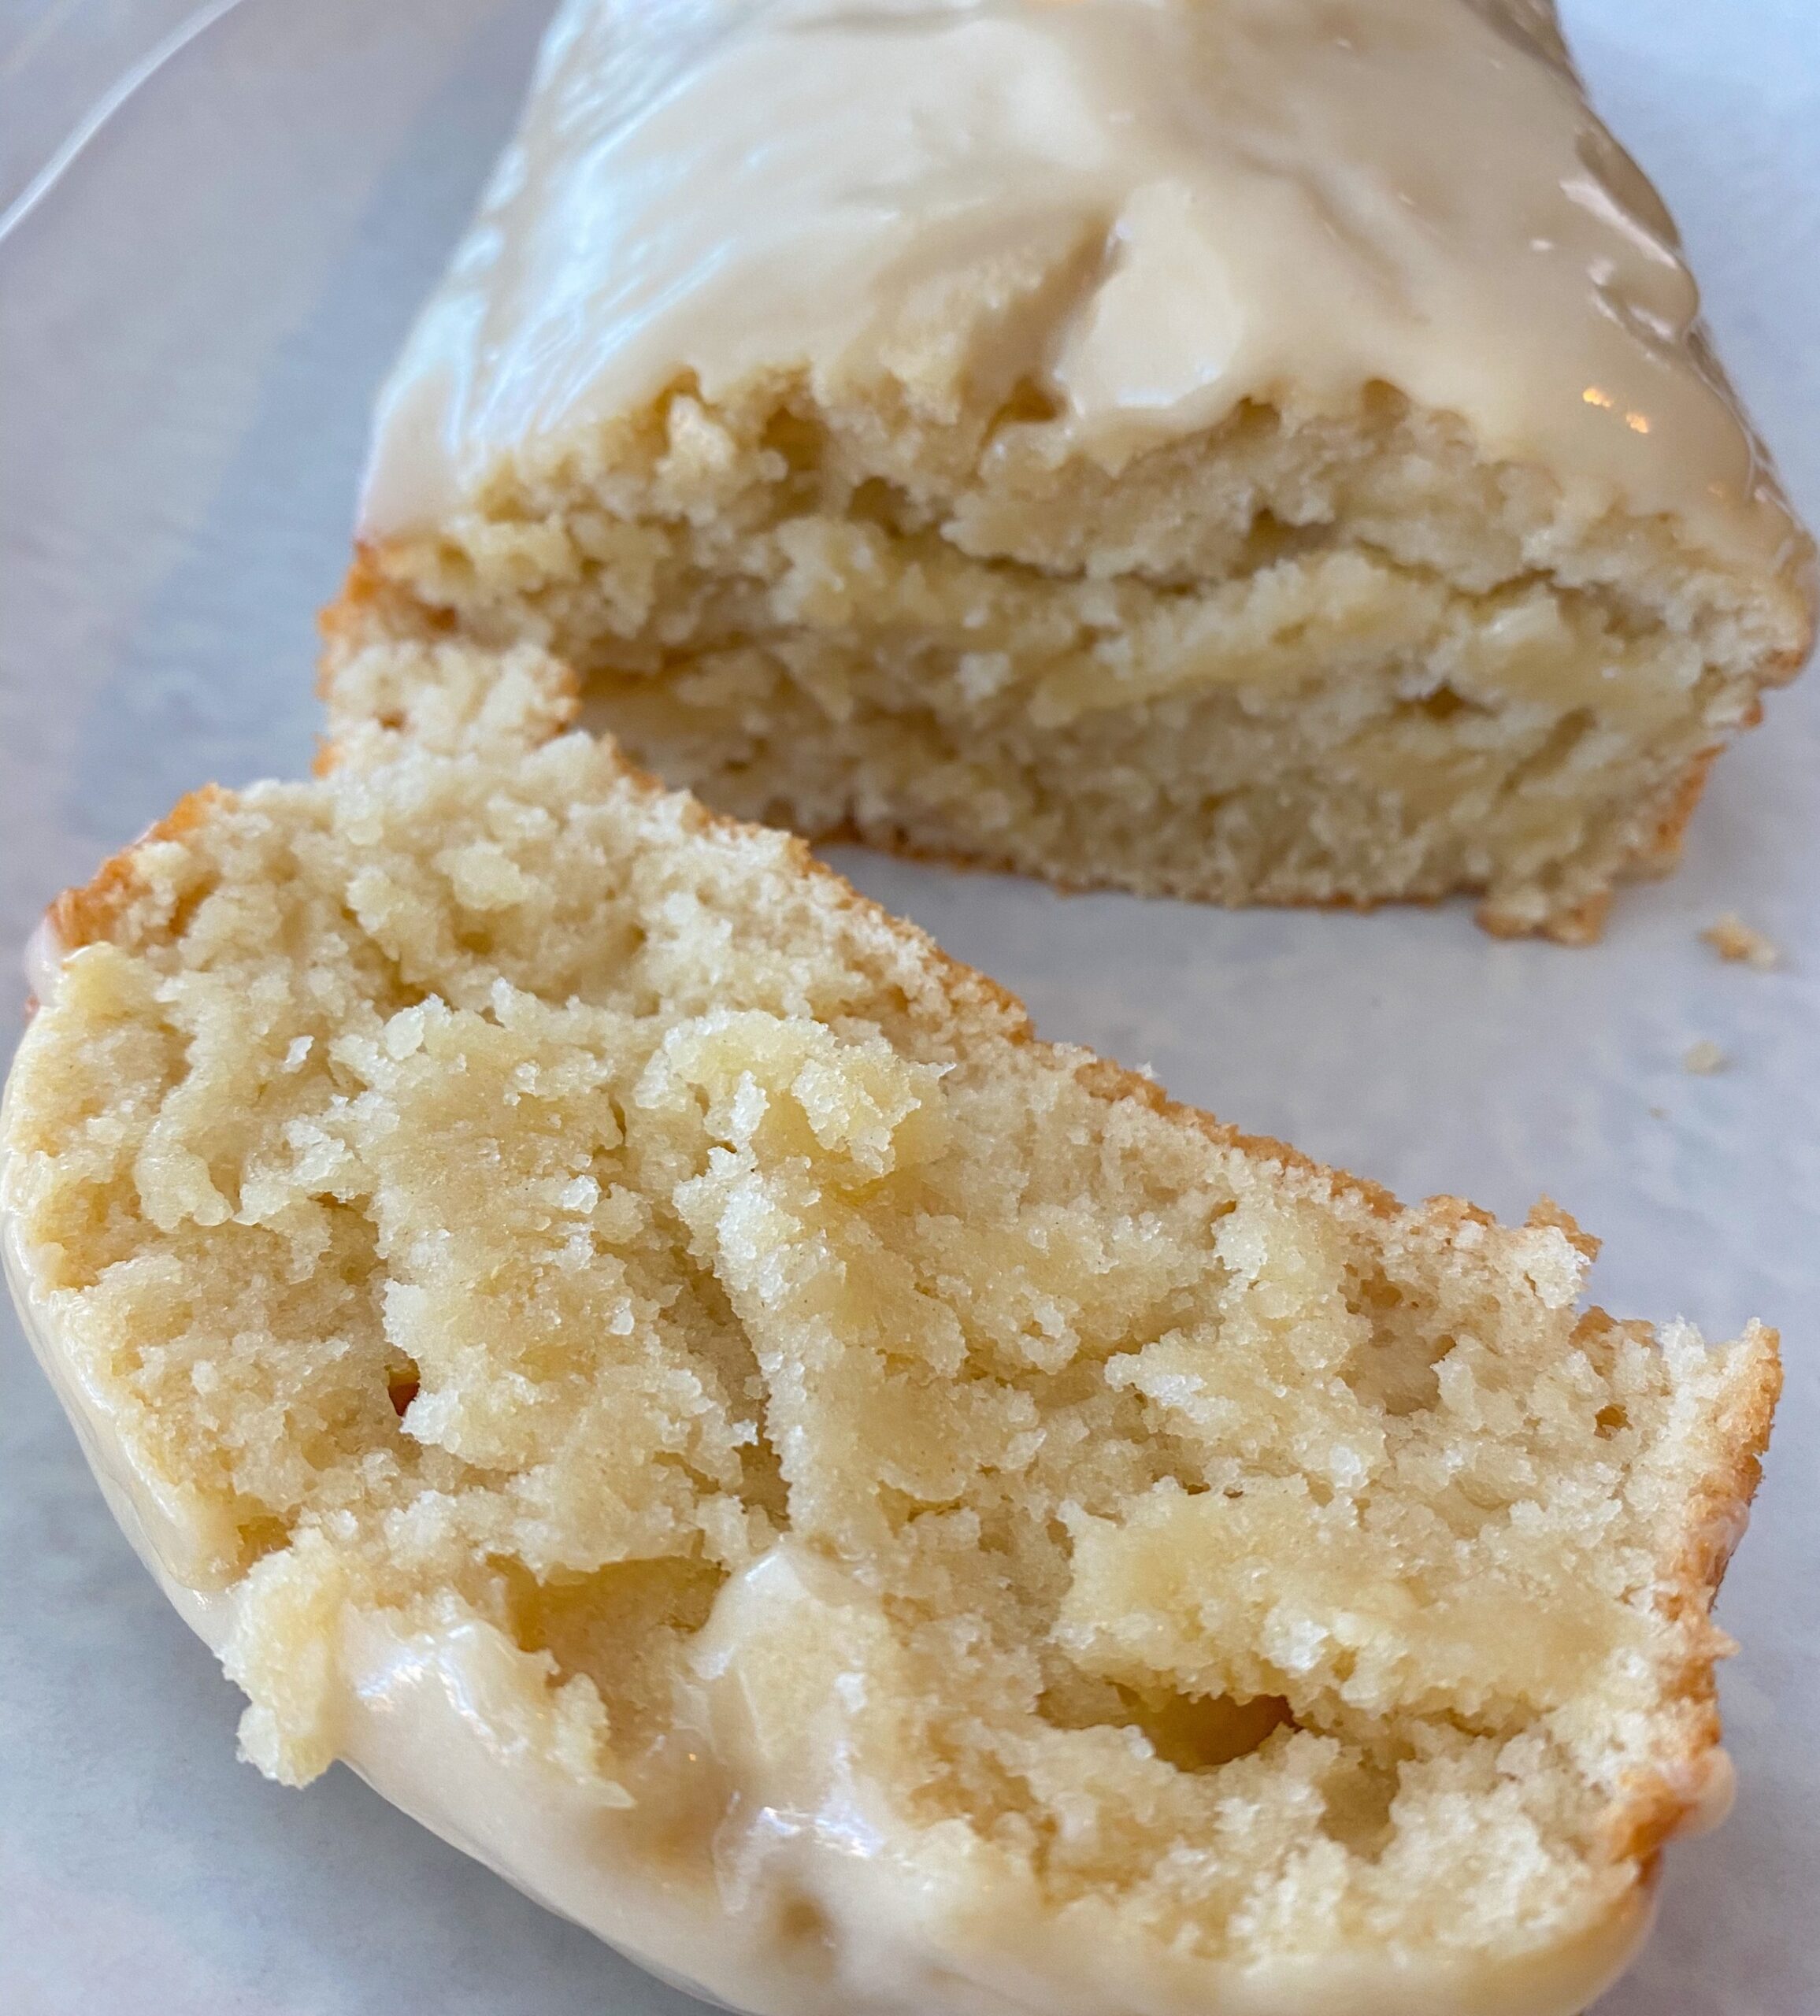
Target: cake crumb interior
(489, 1190)
(1294, 656)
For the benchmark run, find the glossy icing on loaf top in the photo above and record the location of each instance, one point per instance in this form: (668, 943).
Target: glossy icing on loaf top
(1156, 209)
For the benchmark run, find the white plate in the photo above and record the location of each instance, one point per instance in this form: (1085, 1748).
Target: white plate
(192, 321)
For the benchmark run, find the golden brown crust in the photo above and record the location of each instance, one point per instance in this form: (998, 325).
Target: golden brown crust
(1657, 1803)
(369, 595)
(1545, 1211)
(1725, 1496)
(84, 916)
(1660, 848)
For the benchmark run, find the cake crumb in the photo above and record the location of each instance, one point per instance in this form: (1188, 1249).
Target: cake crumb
(1704, 1057)
(1742, 943)
(725, 1140)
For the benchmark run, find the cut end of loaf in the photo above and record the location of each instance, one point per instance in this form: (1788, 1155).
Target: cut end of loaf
(1339, 661)
(1351, 530)
(486, 1197)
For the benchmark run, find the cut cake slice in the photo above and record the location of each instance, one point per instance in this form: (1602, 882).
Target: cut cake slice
(621, 1340)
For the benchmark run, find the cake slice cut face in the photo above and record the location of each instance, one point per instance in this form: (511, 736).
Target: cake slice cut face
(622, 1342)
(1226, 448)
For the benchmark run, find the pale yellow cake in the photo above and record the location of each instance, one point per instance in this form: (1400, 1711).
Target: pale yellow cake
(621, 1340)
(1251, 449)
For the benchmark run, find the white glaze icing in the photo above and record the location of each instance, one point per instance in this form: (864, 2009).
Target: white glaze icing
(42, 958)
(1281, 200)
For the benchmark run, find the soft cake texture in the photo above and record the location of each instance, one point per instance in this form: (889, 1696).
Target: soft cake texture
(622, 1341)
(1256, 452)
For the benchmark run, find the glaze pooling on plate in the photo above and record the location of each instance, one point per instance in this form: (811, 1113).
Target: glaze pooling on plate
(1243, 201)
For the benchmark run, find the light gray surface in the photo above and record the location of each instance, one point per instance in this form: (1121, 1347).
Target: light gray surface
(190, 329)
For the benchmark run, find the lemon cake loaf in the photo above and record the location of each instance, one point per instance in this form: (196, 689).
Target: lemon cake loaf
(619, 1340)
(1249, 449)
